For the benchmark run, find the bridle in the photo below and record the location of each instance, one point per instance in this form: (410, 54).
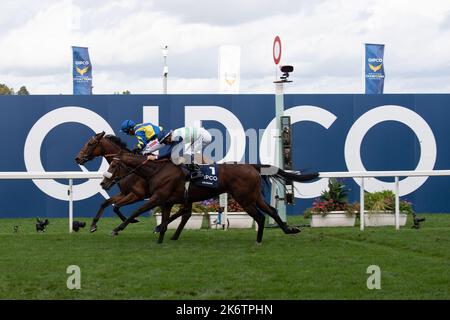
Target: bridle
(91, 146)
(93, 142)
(121, 165)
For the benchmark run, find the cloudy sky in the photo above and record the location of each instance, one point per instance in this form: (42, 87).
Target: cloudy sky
(322, 39)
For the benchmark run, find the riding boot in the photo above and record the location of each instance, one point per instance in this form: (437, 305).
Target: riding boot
(195, 171)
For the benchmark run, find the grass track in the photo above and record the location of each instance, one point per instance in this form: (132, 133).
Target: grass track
(319, 263)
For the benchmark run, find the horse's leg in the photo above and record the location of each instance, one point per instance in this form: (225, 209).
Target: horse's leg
(179, 213)
(259, 217)
(187, 212)
(165, 214)
(102, 208)
(150, 204)
(126, 200)
(272, 212)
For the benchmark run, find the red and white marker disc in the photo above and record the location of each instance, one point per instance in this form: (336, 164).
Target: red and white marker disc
(277, 50)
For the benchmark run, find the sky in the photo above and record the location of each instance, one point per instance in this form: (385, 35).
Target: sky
(322, 39)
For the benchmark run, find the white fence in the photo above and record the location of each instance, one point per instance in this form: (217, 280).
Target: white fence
(374, 174)
(55, 175)
(348, 174)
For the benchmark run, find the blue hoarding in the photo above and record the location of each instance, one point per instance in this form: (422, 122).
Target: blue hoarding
(330, 133)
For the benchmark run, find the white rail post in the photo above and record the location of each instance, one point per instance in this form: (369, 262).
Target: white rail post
(397, 203)
(70, 192)
(361, 205)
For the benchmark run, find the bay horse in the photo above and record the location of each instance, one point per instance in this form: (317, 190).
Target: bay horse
(166, 183)
(133, 188)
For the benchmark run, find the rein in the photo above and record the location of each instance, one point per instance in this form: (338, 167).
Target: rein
(132, 170)
(111, 155)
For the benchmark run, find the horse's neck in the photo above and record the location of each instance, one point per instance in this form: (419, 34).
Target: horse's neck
(142, 166)
(133, 161)
(110, 149)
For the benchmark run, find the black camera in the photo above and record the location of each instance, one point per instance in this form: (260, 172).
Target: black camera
(417, 222)
(76, 225)
(41, 225)
(286, 70)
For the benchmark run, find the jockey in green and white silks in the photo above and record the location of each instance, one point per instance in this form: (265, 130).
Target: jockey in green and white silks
(193, 138)
(189, 141)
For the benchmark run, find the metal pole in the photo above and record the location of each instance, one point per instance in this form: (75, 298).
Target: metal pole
(165, 51)
(165, 72)
(397, 203)
(70, 192)
(361, 205)
(279, 110)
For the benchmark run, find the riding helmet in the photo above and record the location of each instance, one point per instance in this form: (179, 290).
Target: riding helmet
(162, 135)
(127, 125)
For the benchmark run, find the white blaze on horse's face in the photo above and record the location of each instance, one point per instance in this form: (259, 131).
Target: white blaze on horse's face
(107, 174)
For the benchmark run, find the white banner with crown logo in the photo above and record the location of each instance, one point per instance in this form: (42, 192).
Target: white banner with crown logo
(229, 69)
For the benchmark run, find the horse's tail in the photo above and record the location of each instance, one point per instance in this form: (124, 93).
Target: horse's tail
(283, 176)
(276, 175)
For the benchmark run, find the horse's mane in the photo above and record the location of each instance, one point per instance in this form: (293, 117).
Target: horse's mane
(117, 141)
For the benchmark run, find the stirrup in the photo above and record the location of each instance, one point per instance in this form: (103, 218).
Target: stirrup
(196, 175)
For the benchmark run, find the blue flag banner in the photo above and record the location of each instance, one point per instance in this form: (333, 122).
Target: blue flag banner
(374, 68)
(81, 71)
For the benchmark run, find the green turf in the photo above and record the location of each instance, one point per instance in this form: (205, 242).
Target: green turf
(318, 263)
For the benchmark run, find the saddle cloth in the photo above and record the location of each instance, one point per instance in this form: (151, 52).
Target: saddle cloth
(210, 175)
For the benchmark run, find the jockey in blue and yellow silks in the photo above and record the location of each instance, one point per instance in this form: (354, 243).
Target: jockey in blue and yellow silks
(146, 133)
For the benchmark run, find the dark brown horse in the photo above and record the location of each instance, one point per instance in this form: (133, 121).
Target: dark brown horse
(133, 188)
(167, 187)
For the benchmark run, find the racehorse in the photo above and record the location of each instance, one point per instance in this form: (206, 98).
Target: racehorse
(133, 188)
(166, 183)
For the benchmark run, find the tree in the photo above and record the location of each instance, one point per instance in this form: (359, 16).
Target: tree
(23, 91)
(126, 92)
(5, 90)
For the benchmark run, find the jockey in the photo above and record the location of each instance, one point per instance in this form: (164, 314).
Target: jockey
(146, 133)
(190, 140)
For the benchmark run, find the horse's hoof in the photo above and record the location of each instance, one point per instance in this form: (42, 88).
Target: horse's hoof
(258, 244)
(174, 238)
(114, 233)
(294, 230)
(93, 229)
(134, 221)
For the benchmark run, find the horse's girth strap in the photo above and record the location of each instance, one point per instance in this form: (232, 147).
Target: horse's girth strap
(186, 190)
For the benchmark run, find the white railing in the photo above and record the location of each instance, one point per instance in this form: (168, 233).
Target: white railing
(346, 174)
(55, 175)
(374, 174)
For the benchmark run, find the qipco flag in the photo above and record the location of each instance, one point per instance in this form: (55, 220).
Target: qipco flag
(374, 68)
(81, 71)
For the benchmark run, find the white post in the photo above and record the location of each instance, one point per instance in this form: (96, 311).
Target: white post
(397, 203)
(165, 69)
(223, 202)
(280, 205)
(70, 192)
(361, 204)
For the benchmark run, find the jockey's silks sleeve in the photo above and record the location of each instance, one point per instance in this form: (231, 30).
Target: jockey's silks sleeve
(145, 132)
(166, 151)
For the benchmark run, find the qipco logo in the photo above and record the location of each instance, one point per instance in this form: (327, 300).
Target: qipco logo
(36, 136)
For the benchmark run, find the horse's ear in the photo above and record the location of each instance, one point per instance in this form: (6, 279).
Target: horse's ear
(101, 134)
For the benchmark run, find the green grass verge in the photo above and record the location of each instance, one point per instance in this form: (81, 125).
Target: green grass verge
(318, 263)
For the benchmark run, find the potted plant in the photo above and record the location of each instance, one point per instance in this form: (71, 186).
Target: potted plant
(237, 218)
(194, 222)
(380, 209)
(332, 209)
